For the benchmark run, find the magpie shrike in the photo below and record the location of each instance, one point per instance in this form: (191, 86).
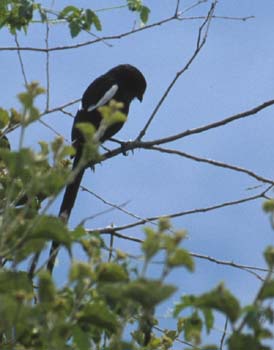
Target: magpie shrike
(122, 84)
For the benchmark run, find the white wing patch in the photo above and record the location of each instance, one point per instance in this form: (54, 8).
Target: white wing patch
(105, 99)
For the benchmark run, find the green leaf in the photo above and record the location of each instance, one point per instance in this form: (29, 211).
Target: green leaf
(44, 147)
(15, 116)
(46, 288)
(4, 143)
(11, 282)
(222, 300)
(92, 18)
(99, 315)
(144, 14)
(80, 270)
(4, 118)
(151, 244)
(193, 327)
(75, 29)
(134, 5)
(180, 257)
(267, 290)
(186, 301)
(209, 319)
(97, 22)
(87, 129)
(164, 224)
(51, 228)
(80, 338)
(268, 206)
(244, 342)
(148, 293)
(269, 256)
(111, 272)
(68, 10)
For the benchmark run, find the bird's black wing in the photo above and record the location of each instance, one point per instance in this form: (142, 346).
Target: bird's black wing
(99, 93)
(96, 90)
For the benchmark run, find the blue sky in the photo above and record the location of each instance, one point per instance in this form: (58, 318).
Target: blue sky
(233, 73)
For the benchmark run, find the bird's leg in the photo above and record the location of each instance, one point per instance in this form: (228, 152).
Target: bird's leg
(123, 144)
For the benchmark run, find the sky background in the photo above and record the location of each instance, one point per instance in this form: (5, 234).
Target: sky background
(233, 73)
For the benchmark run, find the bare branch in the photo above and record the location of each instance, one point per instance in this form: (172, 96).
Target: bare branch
(115, 206)
(47, 66)
(67, 113)
(179, 214)
(214, 125)
(60, 108)
(119, 207)
(199, 2)
(120, 235)
(230, 18)
(129, 146)
(224, 334)
(178, 339)
(48, 126)
(20, 59)
(214, 162)
(199, 45)
(91, 217)
(247, 268)
(91, 42)
(176, 13)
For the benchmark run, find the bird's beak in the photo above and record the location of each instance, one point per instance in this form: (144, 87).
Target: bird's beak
(140, 98)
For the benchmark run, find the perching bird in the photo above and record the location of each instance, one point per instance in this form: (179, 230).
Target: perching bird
(122, 84)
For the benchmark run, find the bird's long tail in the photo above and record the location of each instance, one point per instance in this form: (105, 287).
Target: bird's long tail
(66, 206)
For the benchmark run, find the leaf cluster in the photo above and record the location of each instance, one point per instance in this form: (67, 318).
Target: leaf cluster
(79, 19)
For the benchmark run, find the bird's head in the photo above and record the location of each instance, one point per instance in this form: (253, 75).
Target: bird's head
(131, 80)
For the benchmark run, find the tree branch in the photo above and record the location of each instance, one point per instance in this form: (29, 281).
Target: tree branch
(107, 230)
(214, 162)
(91, 42)
(199, 45)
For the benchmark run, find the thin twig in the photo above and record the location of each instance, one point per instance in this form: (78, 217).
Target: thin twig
(178, 214)
(47, 66)
(224, 334)
(48, 126)
(176, 13)
(103, 212)
(257, 301)
(115, 206)
(191, 7)
(60, 108)
(242, 19)
(91, 42)
(214, 162)
(247, 268)
(131, 145)
(201, 129)
(177, 339)
(199, 45)
(67, 113)
(20, 59)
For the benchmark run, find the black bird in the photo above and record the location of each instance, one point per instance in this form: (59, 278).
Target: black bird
(122, 84)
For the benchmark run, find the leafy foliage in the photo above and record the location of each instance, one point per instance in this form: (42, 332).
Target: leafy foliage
(16, 14)
(79, 19)
(136, 5)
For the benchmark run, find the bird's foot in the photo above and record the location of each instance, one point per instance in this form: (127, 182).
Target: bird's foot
(123, 145)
